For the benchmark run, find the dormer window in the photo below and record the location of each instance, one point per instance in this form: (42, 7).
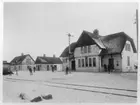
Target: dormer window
(81, 50)
(85, 49)
(127, 47)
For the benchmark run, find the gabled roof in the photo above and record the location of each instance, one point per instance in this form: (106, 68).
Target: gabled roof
(65, 53)
(48, 60)
(18, 60)
(90, 39)
(115, 43)
(110, 44)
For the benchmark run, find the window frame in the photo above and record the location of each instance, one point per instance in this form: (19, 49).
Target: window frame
(90, 62)
(94, 62)
(128, 60)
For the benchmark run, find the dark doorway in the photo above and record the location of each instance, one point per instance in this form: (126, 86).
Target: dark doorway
(73, 65)
(111, 63)
(38, 67)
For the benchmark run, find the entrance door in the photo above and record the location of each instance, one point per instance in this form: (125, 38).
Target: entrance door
(111, 63)
(73, 65)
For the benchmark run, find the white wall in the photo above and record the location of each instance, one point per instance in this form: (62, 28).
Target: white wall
(25, 61)
(24, 64)
(95, 50)
(64, 64)
(133, 59)
(59, 67)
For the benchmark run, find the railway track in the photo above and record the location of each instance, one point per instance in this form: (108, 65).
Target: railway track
(87, 88)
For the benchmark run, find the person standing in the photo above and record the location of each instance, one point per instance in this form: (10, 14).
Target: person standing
(16, 70)
(67, 69)
(30, 70)
(34, 68)
(109, 68)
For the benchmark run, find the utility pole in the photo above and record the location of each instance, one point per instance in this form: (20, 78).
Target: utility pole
(137, 28)
(69, 35)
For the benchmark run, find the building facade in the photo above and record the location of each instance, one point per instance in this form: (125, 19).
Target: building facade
(68, 60)
(46, 63)
(94, 51)
(21, 62)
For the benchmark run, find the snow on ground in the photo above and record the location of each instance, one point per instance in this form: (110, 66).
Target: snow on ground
(11, 90)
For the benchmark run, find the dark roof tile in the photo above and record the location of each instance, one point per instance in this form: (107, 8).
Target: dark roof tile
(18, 60)
(48, 60)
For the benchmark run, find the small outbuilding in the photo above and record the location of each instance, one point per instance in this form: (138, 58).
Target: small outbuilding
(47, 63)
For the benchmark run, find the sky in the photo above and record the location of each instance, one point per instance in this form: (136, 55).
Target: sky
(42, 28)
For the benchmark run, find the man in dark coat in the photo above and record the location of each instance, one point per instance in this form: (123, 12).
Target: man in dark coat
(109, 68)
(105, 67)
(34, 68)
(67, 69)
(30, 70)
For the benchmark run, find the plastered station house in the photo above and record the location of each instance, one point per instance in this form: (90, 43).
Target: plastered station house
(93, 51)
(46, 63)
(21, 62)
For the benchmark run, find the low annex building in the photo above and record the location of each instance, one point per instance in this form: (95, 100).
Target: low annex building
(21, 62)
(68, 59)
(93, 51)
(46, 63)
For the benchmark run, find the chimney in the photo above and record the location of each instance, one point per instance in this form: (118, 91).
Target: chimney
(96, 32)
(44, 55)
(22, 54)
(54, 55)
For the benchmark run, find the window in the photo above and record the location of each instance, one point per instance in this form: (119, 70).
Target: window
(85, 49)
(86, 61)
(83, 63)
(94, 62)
(127, 47)
(89, 49)
(117, 63)
(128, 61)
(79, 62)
(81, 50)
(90, 62)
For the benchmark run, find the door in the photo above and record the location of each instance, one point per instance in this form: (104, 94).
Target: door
(73, 65)
(111, 63)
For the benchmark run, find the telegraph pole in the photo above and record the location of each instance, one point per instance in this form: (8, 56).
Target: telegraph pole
(137, 28)
(69, 35)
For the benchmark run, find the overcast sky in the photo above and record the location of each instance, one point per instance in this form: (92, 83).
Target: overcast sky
(41, 28)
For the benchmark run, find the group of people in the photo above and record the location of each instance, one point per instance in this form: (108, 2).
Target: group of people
(31, 69)
(108, 68)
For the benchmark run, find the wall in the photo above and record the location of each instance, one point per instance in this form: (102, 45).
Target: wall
(24, 64)
(95, 50)
(27, 61)
(59, 67)
(133, 59)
